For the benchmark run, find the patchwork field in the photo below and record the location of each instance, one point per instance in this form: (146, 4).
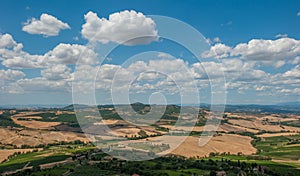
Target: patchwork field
(271, 137)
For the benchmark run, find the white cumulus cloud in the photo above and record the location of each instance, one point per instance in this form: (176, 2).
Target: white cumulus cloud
(258, 49)
(14, 57)
(47, 25)
(11, 75)
(269, 52)
(69, 54)
(57, 72)
(217, 51)
(7, 41)
(119, 28)
(40, 84)
(293, 73)
(8, 79)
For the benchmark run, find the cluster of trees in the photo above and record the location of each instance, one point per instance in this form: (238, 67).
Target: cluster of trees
(141, 135)
(181, 164)
(45, 146)
(293, 141)
(6, 121)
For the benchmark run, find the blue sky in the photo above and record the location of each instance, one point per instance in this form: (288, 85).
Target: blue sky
(252, 75)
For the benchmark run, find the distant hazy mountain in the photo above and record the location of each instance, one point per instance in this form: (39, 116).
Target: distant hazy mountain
(286, 107)
(31, 106)
(279, 108)
(296, 103)
(77, 106)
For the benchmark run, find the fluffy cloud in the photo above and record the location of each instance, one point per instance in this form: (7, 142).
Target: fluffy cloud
(47, 25)
(286, 79)
(7, 41)
(234, 70)
(57, 72)
(87, 77)
(241, 73)
(173, 65)
(8, 46)
(8, 79)
(69, 54)
(119, 28)
(217, 51)
(298, 14)
(56, 75)
(20, 60)
(293, 73)
(279, 49)
(11, 75)
(269, 52)
(141, 77)
(155, 73)
(14, 57)
(40, 84)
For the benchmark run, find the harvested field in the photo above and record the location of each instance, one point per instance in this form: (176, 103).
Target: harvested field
(256, 125)
(35, 137)
(219, 144)
(63, 112)
(35, 124)
(27, 117)
(278, 119)
(292, 129)
(105, 131)
(22, 114)
(110, 122)
(234, 128)
(276, 134)
(126, 131)
(259, 125)
(107, 122)
(281, 118)
(239, 116)
(224, 127)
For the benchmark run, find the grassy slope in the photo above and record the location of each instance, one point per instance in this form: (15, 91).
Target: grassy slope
(56, 153)
(279, 148)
